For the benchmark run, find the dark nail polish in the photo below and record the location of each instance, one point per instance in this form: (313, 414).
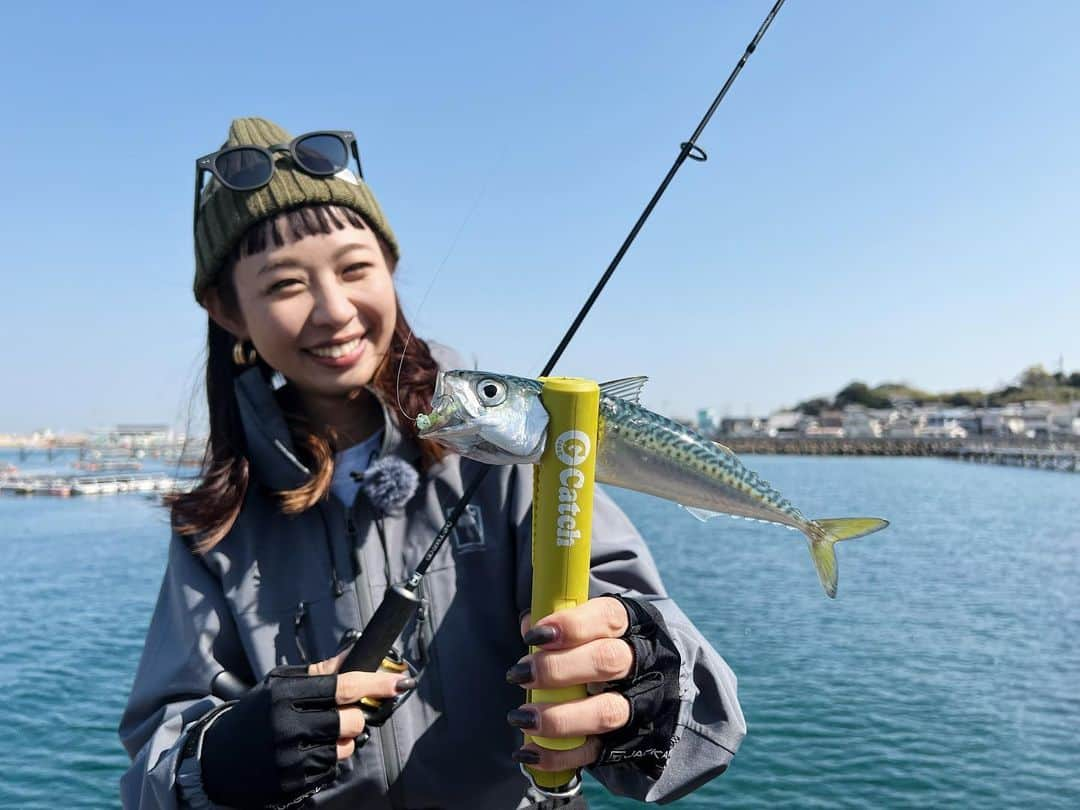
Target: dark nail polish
(404, 685)
(522, 718)
(544, 634)
(521, 672)
(526, 756)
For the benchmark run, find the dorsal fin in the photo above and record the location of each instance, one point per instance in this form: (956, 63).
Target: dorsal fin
(628, 388)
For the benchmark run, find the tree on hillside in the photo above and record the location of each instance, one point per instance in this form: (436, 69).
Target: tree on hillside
(964, 398)
(859, 393)
(1074, 379)
(813, 407)
(1009, 393)
(1036, 377)
(903, 391)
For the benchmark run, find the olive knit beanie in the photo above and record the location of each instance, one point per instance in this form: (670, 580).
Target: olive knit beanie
(225, 215)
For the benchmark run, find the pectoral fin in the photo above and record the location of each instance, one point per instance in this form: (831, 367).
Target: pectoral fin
(702, 514)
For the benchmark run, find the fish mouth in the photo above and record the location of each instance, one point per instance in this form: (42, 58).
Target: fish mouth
(446, 413)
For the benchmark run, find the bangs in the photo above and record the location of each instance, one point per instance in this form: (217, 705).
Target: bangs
(293, 225)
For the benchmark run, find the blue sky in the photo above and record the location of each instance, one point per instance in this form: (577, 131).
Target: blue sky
(892, 190)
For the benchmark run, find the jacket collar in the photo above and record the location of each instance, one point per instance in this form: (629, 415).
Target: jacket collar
(270, 447)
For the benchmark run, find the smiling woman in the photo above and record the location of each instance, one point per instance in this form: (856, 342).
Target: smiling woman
(322, 311)
(316, 498)
(309, 294)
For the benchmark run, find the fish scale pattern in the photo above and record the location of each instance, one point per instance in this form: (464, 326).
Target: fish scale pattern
(675, 440)
(668, 437)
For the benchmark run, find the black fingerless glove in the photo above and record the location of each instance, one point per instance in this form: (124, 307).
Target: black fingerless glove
(275, 743)
(652, 688)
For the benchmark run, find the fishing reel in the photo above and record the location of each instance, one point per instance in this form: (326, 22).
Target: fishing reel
(378, 710)
(375, 651)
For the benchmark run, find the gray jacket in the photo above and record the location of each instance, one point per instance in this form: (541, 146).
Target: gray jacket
(277, 586)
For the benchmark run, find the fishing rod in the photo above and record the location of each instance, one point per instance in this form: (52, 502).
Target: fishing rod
(375, 647)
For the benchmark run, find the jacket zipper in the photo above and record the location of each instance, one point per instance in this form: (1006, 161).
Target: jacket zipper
(423, 626)
(386, 733)
(422, 609)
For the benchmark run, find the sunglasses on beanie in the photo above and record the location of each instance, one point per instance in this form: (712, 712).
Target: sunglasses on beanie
(246, 168)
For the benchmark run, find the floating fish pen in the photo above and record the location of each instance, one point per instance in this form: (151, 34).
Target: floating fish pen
(1067, 460)
(153, 485)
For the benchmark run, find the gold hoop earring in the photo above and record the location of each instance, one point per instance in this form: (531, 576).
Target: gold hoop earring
(240, 357)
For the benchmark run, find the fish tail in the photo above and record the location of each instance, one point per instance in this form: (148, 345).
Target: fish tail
(824, 533)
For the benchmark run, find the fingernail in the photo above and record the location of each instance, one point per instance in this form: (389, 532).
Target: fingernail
(350, 637)
(526, 756)
(404, 685)
(543, 634)
(521, 672)
(522, 718)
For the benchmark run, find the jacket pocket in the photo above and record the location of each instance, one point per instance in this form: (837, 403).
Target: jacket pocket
(473, 640)
(307, 632)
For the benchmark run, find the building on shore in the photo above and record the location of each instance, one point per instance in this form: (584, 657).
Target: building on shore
(146, 437)
(860, 423)
(740, 426)
(784, 423)
(1031, 420)
(707, 421)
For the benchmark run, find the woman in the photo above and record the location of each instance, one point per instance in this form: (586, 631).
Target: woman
(280, 552)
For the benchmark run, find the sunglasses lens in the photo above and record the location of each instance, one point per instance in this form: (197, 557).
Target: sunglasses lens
(243, 169)
(322, 154)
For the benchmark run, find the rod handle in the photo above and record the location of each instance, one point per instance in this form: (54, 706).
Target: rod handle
(382, 631)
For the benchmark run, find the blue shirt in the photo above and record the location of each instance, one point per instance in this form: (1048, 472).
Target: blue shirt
(353, 459)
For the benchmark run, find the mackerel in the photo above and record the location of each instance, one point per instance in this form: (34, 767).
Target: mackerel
(499, 419)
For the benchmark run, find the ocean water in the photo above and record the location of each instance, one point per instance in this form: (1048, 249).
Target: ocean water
(946, 673)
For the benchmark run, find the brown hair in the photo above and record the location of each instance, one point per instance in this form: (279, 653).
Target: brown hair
(207, 513)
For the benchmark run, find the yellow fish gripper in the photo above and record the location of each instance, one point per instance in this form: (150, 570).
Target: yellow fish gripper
(561, 531)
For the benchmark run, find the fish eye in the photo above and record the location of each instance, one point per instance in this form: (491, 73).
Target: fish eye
(491, 392)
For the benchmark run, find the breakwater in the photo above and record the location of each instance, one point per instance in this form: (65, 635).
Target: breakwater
(1060, 454)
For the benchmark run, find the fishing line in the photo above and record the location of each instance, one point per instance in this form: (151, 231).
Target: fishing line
(401, 602)
(453, 244)
(687, 149)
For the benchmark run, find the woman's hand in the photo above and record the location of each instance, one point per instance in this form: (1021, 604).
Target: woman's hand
(286, 735)
(351, 688)
(581, 645)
